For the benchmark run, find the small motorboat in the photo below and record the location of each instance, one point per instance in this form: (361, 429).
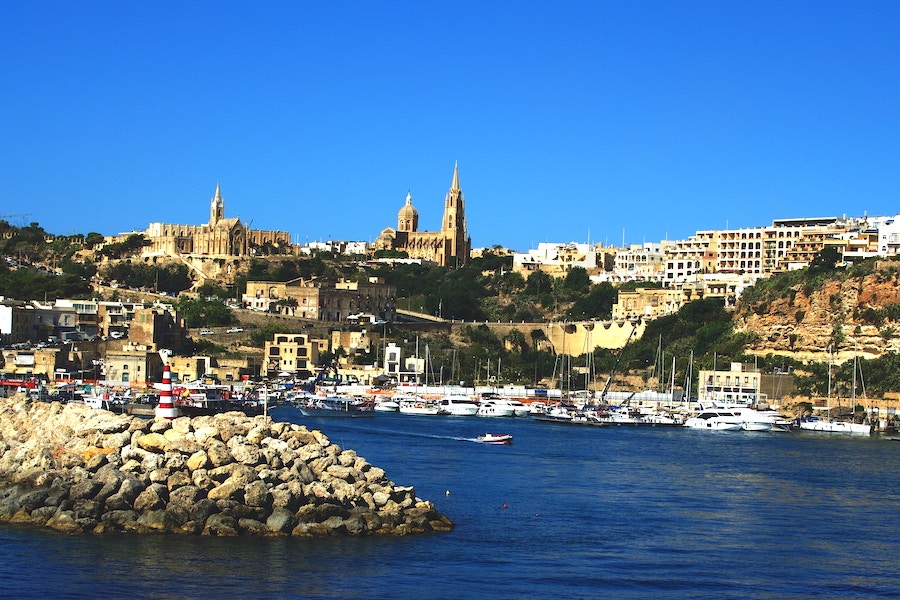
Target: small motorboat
(495, 438)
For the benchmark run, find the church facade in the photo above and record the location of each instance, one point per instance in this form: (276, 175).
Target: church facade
(220, 237)
(449, 247)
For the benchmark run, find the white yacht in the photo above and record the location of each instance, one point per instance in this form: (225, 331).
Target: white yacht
(417, 405)
(829, 426)
(763, 420)
(519, 409)
(495, 408)
(387, 405)
(458, 405)
(721, 419)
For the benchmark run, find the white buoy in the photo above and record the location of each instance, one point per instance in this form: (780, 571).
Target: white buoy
(166, 407)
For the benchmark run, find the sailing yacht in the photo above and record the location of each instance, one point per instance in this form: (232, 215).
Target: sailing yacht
(830, 425)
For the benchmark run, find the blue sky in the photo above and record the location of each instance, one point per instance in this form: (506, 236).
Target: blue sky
(571, 121)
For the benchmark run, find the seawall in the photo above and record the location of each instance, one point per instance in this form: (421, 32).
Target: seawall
(76, 469)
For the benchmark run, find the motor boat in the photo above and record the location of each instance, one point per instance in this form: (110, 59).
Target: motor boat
(719, 419)
(458, 405)
(495, 408)
(387, 405)
(500, 404)
(336, 406)
(417, 405)
(494, 438)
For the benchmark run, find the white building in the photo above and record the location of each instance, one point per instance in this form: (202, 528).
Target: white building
(557, 259)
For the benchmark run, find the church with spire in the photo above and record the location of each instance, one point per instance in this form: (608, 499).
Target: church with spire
(448, 247)
(220, 237)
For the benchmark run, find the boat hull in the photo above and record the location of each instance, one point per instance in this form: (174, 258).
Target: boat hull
(836, 427)
(489, 438)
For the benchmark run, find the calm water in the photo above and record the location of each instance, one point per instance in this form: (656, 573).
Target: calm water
(565, 512)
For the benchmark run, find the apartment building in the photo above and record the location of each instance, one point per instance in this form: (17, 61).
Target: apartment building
(293, 353)
(640, 262)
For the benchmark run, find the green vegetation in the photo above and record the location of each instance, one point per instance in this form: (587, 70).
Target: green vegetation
(130, 246)
(171, 278)
(28, 283)
(200, 312)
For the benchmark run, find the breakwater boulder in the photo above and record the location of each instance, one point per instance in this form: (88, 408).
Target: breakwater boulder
(77, 469)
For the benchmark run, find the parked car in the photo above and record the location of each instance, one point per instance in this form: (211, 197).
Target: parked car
(206, 332)
(234, 330)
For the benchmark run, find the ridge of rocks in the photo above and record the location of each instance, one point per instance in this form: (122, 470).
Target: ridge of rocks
(76, 469)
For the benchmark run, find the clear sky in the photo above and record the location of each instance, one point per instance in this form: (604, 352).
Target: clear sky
(570, 121)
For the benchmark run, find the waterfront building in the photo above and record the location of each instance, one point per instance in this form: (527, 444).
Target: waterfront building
(293, 353)
(133, 365)
(40, 363)
(448, 247)
(740, 384)
(211, 369)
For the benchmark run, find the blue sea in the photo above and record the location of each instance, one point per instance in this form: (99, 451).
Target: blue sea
(564, 512)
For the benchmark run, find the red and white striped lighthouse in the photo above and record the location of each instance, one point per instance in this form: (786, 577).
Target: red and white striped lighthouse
(166, 407)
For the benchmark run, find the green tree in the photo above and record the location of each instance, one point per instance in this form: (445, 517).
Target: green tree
(92, 239)
(538, 283)
(577, 281)
(199, 312)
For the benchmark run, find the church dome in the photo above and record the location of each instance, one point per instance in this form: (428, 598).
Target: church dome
(408, 217)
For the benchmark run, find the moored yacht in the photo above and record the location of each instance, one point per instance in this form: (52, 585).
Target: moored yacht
(495, 408)
(720, 419)
(413, 404)
(459, 405)
(387, 405)
(830, 426)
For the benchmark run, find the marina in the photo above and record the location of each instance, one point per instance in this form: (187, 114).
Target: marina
(624, 512)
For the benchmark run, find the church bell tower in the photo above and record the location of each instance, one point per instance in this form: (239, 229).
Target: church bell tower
(454, 224)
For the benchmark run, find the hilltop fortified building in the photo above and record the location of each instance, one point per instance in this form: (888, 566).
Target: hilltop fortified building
(448, 247)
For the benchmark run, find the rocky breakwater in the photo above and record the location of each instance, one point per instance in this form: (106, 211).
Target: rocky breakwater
(76, 469)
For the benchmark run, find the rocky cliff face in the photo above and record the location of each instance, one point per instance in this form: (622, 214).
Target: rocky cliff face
(76, 469)
(804, 324)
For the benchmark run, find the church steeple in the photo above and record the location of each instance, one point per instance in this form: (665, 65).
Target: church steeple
(216, 207)
(454, 224)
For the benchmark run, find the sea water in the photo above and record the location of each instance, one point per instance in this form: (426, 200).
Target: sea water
(564, 512)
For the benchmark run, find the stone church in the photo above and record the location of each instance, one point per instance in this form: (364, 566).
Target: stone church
(448, 247)
(220, 237)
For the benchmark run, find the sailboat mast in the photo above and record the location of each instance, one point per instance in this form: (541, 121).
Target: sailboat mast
(853, 391)
(828, 397)
(673, 381)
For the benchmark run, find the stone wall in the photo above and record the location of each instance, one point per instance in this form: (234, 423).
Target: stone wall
(80, 470)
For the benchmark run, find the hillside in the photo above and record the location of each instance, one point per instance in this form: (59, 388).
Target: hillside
(804, 313)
